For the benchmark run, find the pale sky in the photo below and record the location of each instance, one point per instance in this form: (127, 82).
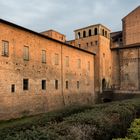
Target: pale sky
(66, 15)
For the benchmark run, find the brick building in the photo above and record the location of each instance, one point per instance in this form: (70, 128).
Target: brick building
(42, 71)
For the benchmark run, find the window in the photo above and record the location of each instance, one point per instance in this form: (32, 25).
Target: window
(12, 88)
(43, 56)
(67, 84)
(56, 61)
(26, 53)
(56, 84)
(78, 84)
(43, 84)
(90, 32)
(89, 65)
(5, 48)
(79, 35)
(84, 34)
(79, 63)
(79, 45)
(91, 43)
(95, 31)
(87, 44)
(103, 33)
(96, 42)
(67, 61)
(25, 84)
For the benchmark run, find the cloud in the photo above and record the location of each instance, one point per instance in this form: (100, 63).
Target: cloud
(66, 15)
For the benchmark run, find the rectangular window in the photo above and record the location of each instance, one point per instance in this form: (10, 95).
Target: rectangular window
(25, 84)
(12, 88)
(89, 65)
(79, 63)
(26, 53)
(56, 84)
(78, 84)
(43, 84)
(43, 56)
(67, 84)
(67, 61)
(56, 59)
(5, 48)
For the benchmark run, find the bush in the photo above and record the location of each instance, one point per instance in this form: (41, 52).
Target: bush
(99, 122)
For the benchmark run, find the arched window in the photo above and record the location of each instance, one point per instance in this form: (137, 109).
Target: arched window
(89, 32)
(79, 35)
(95, 31)
(103, 32)
(84, 34)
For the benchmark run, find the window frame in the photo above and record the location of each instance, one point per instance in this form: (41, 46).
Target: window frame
(5, 48)
(43, 56)
(26, 54)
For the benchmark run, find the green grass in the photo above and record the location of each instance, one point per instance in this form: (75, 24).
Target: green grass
(99, 122)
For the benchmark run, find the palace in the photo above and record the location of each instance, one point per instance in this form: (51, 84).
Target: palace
(43, 71)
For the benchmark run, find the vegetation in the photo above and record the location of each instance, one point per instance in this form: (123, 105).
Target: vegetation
(133, 131)
(99, 122)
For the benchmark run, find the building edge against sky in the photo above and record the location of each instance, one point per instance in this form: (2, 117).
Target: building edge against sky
(45, 72)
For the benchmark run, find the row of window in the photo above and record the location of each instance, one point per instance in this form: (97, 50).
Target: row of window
(89, 33)
(89, 44)
(43, 85)
(5, 52)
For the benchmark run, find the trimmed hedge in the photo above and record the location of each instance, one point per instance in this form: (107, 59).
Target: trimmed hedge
(133, 131)
(99, 122)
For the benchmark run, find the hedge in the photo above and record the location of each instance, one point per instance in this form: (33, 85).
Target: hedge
(93, 122)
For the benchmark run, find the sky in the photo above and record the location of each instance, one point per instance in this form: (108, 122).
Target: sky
(65, 16)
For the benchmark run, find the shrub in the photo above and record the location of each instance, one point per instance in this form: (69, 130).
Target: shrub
(99, 122)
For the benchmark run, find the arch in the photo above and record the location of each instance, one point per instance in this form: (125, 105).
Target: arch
(95, 31)
(103, 84)
(79, 35)
(84, 33)
(89, 32)
(103, 32)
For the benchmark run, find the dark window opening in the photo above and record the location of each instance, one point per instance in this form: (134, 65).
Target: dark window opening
(79, 45)
(89, 32)
(56, 84)
(103, 33)
(25, 84)
(96, 42)
(87, 44)
(79, 35)
(43, 84)
(12, 88)
(67, 85)
(78, 84)
(95, 31)
(91, 43)
(84, 34)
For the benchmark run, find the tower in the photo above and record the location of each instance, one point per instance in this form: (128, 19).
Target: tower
(96, 38)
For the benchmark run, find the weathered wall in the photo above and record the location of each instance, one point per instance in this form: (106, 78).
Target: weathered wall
(35, 100)
(129, 67)
(115, 69)
(105, 61)
(131, 27)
